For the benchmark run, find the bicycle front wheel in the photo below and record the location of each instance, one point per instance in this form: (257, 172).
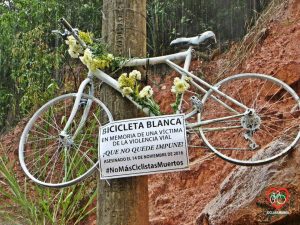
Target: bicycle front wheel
(55, 161)
(269, 132)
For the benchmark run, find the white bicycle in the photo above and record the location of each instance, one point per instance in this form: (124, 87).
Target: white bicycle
(246, 119)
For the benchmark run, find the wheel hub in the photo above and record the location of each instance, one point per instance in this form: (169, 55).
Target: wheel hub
(251, 121)
(65, 139)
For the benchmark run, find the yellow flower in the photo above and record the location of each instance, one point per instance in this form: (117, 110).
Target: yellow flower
(71, 40)
(87, 59)
(146, 92)
(110, 57)
(72, 53)
(100, 63)
(127, 91)
(86, 37)
(125, 81)
(180, 86)
(176, 80)
(135, 74)
(122, 80)
(74, 48)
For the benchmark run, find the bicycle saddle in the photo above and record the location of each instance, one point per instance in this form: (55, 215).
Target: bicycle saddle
(194, 41)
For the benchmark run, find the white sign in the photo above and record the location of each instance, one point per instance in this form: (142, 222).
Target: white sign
(143, 146)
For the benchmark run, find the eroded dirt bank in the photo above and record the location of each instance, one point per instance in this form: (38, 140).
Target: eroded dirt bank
(216, 192)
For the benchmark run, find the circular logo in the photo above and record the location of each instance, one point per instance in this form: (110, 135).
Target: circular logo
(277, 197)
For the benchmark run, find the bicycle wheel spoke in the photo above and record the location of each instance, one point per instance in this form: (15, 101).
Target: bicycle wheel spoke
(55, 122)
(258, 93)
(259, 110)
(47, 133)
(41, 139)
(54, 158)
(47, 150)
(50, 124)
(265, 130)
(277, 131)
(52, 168)
(241, 101)
(269, 98)
(276, 117)
(251, 91)
(275, 125)
(77, 162)
(96, 118)
(84, 154)
(46, 165)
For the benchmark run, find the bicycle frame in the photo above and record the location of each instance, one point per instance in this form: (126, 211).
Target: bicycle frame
(262, 133)
(185, 56)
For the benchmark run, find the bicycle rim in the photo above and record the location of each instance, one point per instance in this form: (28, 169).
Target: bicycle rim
(277, 110)
(51, 161)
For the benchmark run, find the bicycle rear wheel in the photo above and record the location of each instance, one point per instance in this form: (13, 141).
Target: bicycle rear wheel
(55, 161)
(269, 133)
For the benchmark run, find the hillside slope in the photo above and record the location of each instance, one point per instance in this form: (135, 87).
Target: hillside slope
(216, 192)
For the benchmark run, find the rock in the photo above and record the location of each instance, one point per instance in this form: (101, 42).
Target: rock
(242, 198)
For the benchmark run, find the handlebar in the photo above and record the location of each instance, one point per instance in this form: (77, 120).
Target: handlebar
(65, 23)
(72, 31)
(63, 35)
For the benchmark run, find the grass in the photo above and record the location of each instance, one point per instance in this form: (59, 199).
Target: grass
(27, 203)
(24, 202)
(255, 36)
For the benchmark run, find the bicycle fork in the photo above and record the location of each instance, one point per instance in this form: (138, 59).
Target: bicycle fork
(65, 138)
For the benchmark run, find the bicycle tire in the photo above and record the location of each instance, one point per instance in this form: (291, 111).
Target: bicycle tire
(275, 103)
(47, 160)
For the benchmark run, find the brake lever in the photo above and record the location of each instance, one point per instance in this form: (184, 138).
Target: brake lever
(63, 35)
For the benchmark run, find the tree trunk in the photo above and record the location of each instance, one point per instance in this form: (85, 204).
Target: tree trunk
(125, 200)
(124, 26)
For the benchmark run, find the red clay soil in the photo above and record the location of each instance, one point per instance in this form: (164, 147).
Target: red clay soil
(9, 144)
(179, 198)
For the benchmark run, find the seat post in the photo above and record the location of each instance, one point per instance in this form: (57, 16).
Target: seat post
(188, 60)
(186, 67)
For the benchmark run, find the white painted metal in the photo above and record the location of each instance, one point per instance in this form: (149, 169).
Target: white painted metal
(185, 56)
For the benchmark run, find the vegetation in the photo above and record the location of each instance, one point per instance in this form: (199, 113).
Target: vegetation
(30, 62)
(31, 72)
(34, 67)
(30, 56)
(256, 34)
(229, 19)
(32, 204)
